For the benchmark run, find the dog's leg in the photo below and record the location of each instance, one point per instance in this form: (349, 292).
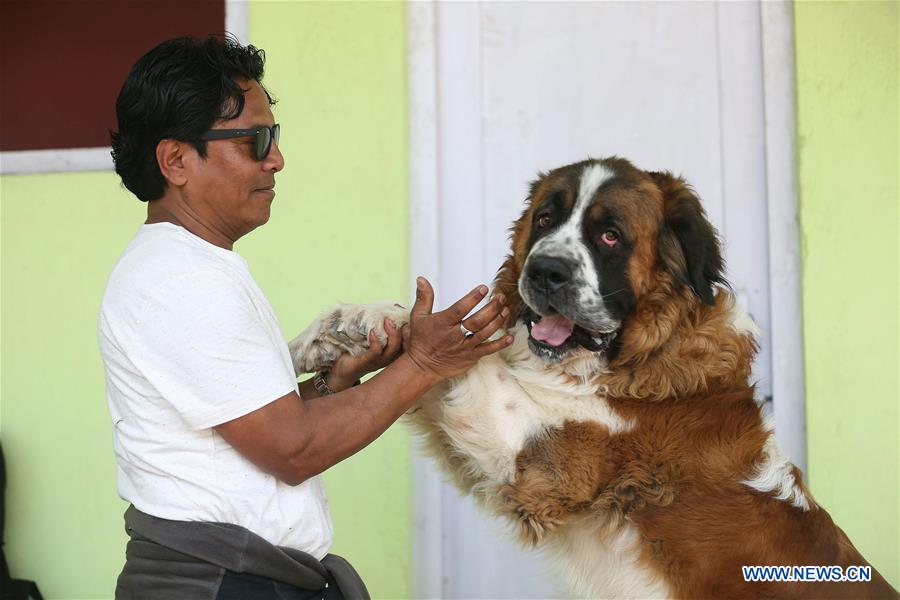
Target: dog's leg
(342, 329)
(558, 477)
(428, 421)
(475, 425)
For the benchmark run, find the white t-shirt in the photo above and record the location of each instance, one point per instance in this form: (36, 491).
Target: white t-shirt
(189, 341)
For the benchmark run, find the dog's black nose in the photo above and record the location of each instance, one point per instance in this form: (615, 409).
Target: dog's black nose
(549, 274)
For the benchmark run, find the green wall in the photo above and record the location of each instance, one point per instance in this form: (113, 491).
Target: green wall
(60, 237)
(339, 230)
(338, 233)
(847, 100)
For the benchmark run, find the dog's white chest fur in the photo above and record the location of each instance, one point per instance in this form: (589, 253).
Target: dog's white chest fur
(492, 411)
(604, 566)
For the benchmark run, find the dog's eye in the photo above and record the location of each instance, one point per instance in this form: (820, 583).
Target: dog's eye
(609, 237)
(543, 220)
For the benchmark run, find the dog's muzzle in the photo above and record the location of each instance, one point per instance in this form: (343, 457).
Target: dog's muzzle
(547, 286)
(548, 281)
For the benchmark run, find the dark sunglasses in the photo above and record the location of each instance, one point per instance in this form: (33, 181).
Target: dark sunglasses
(263, 134)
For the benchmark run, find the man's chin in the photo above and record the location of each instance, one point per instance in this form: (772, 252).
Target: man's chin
(263, 212)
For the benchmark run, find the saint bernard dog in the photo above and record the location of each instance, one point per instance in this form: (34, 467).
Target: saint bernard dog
(619, 431)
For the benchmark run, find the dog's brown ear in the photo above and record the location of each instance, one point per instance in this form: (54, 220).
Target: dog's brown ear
(507, 283)
(688, 243)
(507, 279)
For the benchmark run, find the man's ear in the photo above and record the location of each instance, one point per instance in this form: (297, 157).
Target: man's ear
(688, 244)
(170, 155)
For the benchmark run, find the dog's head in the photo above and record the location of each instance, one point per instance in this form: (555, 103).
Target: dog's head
(595, 238)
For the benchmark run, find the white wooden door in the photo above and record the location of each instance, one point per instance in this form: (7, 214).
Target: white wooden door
(502, 90)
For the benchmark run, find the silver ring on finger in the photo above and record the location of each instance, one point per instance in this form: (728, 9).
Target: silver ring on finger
(465, 331)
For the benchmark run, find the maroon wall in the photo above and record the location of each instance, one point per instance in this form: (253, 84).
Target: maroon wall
(62, 63)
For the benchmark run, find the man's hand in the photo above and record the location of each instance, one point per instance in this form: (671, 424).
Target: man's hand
(297, 437)
(438, 343)
(348, 369)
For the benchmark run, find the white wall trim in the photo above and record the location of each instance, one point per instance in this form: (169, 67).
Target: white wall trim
(53, 161)
(786, 311)
(459, 187)
(744, 224)
(444, 100)
(427, 556)
(237, 19)
(460, 148)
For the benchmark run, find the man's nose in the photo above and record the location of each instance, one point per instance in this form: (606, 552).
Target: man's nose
(275, 160)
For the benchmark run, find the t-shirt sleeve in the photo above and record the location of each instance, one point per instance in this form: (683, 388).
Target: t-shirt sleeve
(204, 345)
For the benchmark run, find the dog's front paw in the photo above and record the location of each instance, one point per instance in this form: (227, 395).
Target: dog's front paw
(534, 516)
(342, 329)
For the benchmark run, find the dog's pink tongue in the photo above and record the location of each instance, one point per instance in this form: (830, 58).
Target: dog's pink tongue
(552, 329)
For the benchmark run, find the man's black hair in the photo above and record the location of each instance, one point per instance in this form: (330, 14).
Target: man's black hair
(178, 91)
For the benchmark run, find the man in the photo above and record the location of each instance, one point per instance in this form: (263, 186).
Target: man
(218, 449)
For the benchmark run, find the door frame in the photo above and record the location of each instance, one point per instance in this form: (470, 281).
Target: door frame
(434, 119)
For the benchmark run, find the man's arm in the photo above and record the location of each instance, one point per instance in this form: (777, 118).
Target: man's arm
(308, 390)
(295, 439)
